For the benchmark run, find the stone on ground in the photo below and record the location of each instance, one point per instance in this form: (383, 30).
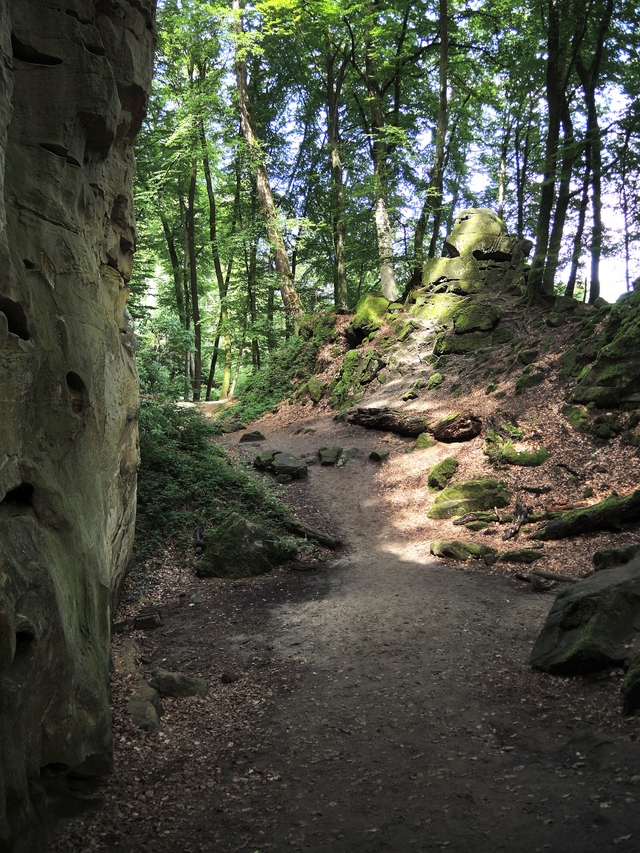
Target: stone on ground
(177, 683)
(589, 621)
(482, 493)
(441, 473)
(145, 708)
(329, 455)
(239, 548)
(456, 550)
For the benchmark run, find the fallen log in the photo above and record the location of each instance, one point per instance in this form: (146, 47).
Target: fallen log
(392, 420)
(609, 514)
(554, 576)
(298, 528)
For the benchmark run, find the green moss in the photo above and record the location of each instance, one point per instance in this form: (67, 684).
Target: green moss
(435, 381)
(475, 315)
(316, 389)
(577, 417)
(455, 550)
(459, 344)
(526, 458)
(528, 379)
(521, 555)
(441, 473)
(424, 441)
(491, 387)
(482, 493)
(587, 493)
(500, 395)
(357, 370)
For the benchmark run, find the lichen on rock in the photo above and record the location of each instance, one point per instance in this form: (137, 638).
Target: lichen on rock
(482, 493)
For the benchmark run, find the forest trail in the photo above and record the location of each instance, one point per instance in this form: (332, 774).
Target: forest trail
(385, 704)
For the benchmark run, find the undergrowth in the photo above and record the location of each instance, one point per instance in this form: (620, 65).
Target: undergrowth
(186, 482)
(283, 371)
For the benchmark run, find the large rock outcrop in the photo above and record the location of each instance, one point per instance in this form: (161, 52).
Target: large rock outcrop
(74, 79)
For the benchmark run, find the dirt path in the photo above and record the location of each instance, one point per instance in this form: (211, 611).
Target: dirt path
(385, 704)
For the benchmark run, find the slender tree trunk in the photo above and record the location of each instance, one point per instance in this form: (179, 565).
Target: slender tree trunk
(522, 173)
(176, 267)
(562, 203)
(433, 198)
(536, 275)
(379, 156)
(335, 80)
(577, 240)
(193, 282)
(625, 208)
(290, 298)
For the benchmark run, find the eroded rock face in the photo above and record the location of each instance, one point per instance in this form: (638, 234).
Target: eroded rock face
(74, 78)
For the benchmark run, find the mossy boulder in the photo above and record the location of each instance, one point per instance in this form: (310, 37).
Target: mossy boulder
(482, 493)
(424, 441)
(441, 473)
(239, 548)
(457, 427)
(451, 344)
(281, 464)
(589, 621)
(502, 452)
(609, 558)
(330, 455)
(529, 378)
(369, 317)
(435, 381)
(316, 389)
(475, 315)
(521, 555)
(455, 550)
(614, 378)
(357, 370)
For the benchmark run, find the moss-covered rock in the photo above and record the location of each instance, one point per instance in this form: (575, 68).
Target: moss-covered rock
(482, 493)
(589, 621)
(239, 548)
(614, 378)
(329, 455)
(451, 344)
(316, 389)
(530, 377)
(369, 317)
(357, 370)
(424, 441)
(521, 555)
(476, 315)
(456, 550)
(502, 452)
(441, 473)
(281, 464)
(435, 381)
(609, 558)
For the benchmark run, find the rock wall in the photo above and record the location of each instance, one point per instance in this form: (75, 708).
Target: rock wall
(74, 79)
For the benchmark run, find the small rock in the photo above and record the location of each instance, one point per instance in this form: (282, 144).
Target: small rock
(229, 677)
(461, 426)
(379, 455)
(251, 436)
(145, 708)
(329, 455)
(177, 684)
(148, 621)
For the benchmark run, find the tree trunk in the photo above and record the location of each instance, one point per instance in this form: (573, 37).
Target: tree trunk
(589, 80)
(564, 197)
(290, 298)
(577, 240)
(334, 89)
(176, 267)
(193, 282)
(379, 156)
(536, 275)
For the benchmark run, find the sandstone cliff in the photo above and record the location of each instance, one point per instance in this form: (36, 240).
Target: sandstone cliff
(74, 79)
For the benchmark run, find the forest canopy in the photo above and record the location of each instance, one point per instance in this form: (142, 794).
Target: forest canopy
(300, 153)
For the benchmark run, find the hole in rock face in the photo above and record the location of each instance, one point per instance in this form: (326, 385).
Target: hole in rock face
(491, 256)
(29, 265)
(77, 392)
(26, 53)
(16, 317)
(22, 495)
(25, 641)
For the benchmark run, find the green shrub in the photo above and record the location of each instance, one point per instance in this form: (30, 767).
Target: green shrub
(187, 482)
(284, 370)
